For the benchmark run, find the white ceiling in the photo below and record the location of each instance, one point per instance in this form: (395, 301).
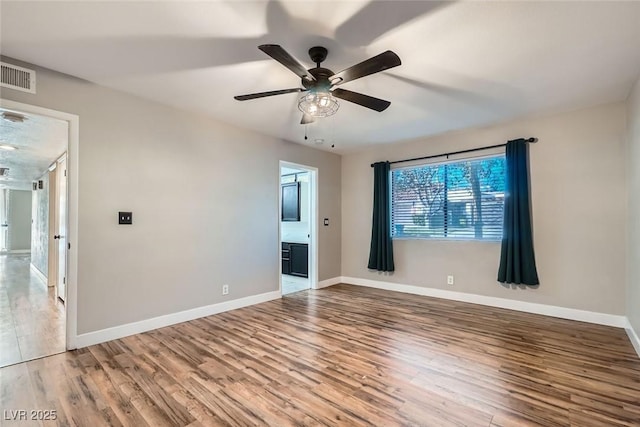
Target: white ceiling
(463, 63)
(39, 141)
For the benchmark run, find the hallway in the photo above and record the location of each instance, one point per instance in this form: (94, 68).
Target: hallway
(291, 284)
(32, 320)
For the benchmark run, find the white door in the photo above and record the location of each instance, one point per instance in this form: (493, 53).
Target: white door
(4, 226)
(52, 268)
(61, 190)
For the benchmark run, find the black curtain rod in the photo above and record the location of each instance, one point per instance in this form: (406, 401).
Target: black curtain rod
(532, 140)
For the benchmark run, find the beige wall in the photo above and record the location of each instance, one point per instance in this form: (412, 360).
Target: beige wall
(204, 197)
(633, 290)
(579, 213)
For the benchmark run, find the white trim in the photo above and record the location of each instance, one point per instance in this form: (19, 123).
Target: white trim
(39, 274)
(329, 282)
(103, 335)
(73, 146)
(511, 304)
(633, 337)
(314, 219)
(18, 251)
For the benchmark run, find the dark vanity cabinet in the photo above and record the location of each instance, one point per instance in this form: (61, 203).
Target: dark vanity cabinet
(286, 258)
(299, 253)
(295, 259)
(291, 201)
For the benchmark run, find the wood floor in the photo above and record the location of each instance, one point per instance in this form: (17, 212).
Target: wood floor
(343, 355)
(32, 319)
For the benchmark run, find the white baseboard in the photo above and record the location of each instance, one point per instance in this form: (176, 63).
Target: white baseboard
(19, 251)
(39, 273)
(329, 282)
(528, 307)
(97, 337)
(633, 336)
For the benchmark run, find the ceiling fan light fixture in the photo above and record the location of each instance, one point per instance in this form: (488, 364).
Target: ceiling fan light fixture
(13, 117)
(319, 83)
(318, 104)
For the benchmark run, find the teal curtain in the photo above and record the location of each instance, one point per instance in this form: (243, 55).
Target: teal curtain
(381, 252)
(517, 259)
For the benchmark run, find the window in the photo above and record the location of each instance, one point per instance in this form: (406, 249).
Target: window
(453, 200)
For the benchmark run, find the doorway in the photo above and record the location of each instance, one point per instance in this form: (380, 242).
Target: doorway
(33, 214)
(298, 228)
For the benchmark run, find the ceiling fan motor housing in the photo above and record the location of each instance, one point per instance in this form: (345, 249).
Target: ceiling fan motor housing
(318, 54)
(321, 82)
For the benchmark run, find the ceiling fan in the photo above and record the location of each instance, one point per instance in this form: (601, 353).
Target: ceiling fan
(321, 83)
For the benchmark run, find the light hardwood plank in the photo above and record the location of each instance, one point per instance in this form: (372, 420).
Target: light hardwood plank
(343, 356)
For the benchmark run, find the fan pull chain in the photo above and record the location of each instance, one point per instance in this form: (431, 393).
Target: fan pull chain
(305, 132)
(333, 132)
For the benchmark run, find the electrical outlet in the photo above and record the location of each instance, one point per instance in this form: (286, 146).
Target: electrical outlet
(225, 289)
(449, 280)
(125, 218)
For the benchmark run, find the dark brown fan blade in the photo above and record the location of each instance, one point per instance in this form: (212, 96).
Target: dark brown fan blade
(360, 99)
(263, 94)
(378, 63)
(279, 54)
(306, 119)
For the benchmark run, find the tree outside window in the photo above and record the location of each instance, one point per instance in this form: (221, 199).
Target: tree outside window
(462, 200)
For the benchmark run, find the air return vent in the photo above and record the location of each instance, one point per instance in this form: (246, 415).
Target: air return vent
(18, 78)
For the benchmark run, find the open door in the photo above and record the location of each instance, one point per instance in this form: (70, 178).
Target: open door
(61, 227)
(52, 259)
(4, 225)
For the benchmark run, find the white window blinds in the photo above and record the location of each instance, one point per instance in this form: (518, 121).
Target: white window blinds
(453, 200)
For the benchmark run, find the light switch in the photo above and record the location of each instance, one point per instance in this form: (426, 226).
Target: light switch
(125, 218)
(326, 222)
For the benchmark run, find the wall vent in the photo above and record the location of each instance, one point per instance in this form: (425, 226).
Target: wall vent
(18, 78)
(4, 171)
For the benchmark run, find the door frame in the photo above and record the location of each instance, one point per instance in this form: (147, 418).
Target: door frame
(73, 145)
(63, 158)
(313, 222)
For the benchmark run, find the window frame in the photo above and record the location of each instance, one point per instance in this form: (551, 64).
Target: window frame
(441, 163)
